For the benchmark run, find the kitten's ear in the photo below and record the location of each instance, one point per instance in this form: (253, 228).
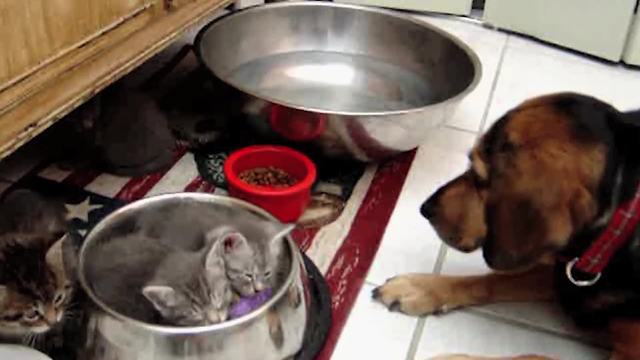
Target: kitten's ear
(63, 259)
(233, 242)
(54, 256)
(162, 297)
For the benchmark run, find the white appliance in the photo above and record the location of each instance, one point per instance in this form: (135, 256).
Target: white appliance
(632, 50)
(595, 27)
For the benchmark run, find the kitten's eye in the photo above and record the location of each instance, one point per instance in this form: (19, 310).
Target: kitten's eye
(59, 299)
(248, 276)
(31, 315)
(267, 274)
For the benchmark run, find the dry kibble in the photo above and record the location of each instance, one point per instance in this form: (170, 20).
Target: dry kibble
(268, 176)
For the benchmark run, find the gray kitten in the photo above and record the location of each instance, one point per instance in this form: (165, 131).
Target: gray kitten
(122, 129)
(253, 263)
(152, 281)
(254, 250)
(191, 288)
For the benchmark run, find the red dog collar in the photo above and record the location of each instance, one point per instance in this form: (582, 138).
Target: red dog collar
(618, 232)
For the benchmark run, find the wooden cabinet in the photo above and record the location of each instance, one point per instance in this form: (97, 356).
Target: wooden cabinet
(55, 54)
(36, 32)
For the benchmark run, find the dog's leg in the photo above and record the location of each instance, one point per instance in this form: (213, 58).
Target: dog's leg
(625, 335)
(422, 294)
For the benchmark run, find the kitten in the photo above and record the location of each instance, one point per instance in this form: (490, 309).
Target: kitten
(36, 283)
(26, 212)
(132, 133)
(191, 288)
(152, 281)
(122, 129)
(253, 263)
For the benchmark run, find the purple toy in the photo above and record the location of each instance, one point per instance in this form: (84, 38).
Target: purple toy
(247, 304)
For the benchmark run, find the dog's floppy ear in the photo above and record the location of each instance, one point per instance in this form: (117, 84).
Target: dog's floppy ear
(543, 186)
(523, 225)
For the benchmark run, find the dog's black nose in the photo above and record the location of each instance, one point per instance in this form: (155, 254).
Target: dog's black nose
(428, 209)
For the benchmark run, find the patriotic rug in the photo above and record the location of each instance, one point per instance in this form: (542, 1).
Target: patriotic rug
(340, 231)
(342, 246)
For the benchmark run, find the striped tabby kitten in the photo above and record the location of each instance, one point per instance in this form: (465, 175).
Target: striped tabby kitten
(36, 286)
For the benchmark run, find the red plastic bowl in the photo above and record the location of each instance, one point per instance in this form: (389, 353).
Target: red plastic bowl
(286, 204)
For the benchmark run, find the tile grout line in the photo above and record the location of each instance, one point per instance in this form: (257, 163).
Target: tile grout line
(416, 337)
(494, 85)
(442, 255)
(525, 325)
(442, 252)
(457, 128)
(419, 329)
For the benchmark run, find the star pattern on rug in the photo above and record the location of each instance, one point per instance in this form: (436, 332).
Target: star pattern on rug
(81, 210)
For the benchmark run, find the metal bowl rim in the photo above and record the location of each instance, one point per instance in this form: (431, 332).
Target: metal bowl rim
(473, 57)
(185, 330)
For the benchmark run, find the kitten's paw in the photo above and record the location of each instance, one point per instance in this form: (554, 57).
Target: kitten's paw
(275, 329)
(415, 294)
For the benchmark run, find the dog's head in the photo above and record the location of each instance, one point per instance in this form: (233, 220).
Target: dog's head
(534, 181)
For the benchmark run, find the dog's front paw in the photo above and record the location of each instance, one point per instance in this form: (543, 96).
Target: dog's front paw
(415, 294)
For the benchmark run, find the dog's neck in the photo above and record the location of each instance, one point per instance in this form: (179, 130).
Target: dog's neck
(624, 160)
(620, 180)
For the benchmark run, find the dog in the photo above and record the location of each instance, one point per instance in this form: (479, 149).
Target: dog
(552, 197)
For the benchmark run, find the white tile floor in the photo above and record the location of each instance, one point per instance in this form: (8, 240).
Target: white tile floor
(514, 69)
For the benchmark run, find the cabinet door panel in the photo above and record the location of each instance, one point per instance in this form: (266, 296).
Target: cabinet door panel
(35, 32)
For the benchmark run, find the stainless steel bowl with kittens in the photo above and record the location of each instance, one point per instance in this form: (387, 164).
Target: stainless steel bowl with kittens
(113, 256)
(356, 82)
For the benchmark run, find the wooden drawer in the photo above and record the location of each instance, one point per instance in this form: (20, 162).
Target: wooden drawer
(36, 32)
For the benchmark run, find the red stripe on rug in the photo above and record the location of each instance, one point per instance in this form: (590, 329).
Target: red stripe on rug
(200, 185)
(351, 263)
(304, 237)
(138, 187)
(81, 178)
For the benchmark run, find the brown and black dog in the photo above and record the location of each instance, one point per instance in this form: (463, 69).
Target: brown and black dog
(542, 185)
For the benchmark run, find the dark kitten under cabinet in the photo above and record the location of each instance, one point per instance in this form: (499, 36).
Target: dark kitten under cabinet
(122, 130)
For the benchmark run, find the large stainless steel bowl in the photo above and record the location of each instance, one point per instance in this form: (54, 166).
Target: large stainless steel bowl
(356, 81)
(114, 336)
